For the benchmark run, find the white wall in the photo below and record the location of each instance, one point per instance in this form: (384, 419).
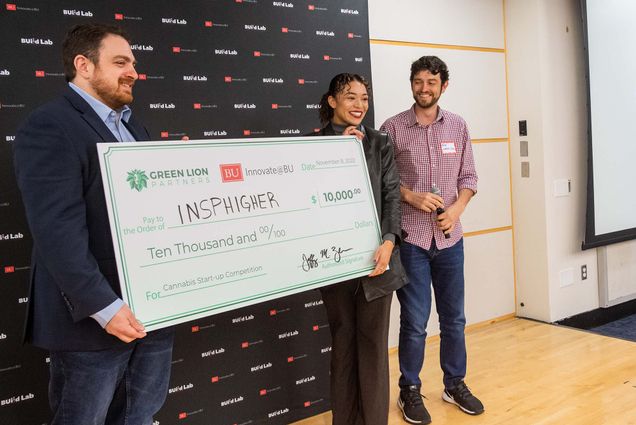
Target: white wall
(469, 36)
(547, 87)
(546, 75)
(449, 22)
(617, 273)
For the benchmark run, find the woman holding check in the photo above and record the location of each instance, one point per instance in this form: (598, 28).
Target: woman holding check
(358, 309)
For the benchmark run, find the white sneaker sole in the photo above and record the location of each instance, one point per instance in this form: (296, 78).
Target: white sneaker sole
(449, 399)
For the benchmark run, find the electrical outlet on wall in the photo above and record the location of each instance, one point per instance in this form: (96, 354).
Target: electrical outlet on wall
(584, 272)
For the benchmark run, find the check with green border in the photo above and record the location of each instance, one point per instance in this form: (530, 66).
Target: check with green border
(203, 227)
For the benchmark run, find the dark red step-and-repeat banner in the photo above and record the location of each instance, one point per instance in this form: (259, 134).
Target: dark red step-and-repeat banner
(207, 69)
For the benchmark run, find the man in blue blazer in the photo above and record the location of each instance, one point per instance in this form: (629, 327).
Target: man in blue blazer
(104, 367)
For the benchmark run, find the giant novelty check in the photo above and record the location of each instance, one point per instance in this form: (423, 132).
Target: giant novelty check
(203, 227)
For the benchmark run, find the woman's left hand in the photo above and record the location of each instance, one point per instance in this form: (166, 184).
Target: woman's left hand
(353, 131)
(381, 257)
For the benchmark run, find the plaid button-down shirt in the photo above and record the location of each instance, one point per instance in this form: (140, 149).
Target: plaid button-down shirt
(437, 154)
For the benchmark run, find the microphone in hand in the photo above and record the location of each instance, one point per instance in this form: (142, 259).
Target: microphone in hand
(435, 191)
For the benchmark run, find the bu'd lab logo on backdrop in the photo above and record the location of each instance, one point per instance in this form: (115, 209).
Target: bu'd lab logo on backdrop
(13, 7)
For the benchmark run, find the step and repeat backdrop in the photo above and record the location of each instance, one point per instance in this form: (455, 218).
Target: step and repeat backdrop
(207, 69)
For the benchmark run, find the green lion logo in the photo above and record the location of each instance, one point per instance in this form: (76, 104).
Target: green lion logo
(137, 179)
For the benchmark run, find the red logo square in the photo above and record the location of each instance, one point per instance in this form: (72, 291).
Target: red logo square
(257, 53)
(208, 23)
(315, 328)
(247, 132)
(301, 81)
(326, 57)
(311, 7)
(274, 105)
(245, 344)
(143, 76)
(196, 106)
(183, 415)
(119, 16)
(272, 312)
(176, 49)
(215, 379)
(11, 6)
(164, 134)
(290, 359)
(262, 392)
(284, 29)
(9, 269)
(307, 403)
(228, 79)
(232, 173)
(350, 35)
(39, 74)
(195, 329)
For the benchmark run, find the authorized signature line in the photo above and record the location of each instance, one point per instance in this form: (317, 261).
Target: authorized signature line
(353, 254)
(213, 286)
(247, 247)
(237, 218)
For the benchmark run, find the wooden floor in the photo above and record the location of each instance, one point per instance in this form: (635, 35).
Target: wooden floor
(529, 373)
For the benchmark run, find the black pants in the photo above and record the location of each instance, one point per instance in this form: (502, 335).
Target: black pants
(359, 354)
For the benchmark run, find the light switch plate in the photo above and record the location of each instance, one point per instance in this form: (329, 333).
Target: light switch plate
(561, 187)
(525, 169)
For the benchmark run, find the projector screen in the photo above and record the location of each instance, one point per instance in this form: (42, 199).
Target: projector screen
(610, 29)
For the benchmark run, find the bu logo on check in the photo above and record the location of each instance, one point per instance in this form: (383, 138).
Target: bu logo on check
(231, 173)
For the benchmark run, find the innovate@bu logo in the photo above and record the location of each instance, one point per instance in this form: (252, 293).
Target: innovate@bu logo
(231, 173)
(137, 179)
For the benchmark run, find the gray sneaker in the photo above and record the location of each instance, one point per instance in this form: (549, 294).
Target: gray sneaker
(412, 407)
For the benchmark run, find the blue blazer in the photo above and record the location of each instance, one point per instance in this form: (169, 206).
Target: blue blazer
(73, 270)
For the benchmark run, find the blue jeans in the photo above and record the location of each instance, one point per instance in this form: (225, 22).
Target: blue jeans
(445, 268)
(126, 385)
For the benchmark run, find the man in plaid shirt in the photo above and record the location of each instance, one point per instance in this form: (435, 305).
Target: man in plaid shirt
(437, 174)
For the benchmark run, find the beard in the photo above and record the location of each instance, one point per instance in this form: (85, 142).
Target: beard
(426, 104)
(113, 95)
